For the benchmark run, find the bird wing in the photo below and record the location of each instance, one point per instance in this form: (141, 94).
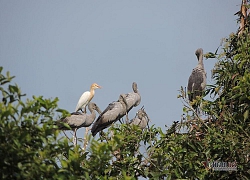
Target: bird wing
(195, 83)
(109, 108)
(83, 100)
(96, 126)
(112, 113)
(74, 121)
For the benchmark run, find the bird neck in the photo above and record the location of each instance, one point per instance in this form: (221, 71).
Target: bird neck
(92, 91)
(91, 117)
(200, 61)
(92, 111)
(135, 89)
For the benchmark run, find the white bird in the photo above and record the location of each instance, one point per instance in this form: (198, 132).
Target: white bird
(198, 78)
(86, 98)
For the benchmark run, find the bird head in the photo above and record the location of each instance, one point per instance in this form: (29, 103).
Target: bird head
(94, 107)
(198, 52)
(134, 87)
(95, 86)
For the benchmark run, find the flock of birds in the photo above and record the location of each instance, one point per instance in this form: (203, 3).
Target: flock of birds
(114, 112)
(118, 109)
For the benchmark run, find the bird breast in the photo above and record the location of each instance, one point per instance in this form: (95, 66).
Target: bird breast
(132, 100)
(83, 101)
(141, 122)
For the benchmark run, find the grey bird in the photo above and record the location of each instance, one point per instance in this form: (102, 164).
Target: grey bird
(114, 112)
(132, 99)
(198, 78)
(141, 119)
(78, 120)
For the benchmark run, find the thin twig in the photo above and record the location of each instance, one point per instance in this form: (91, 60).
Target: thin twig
(148, 160)
(66, 135)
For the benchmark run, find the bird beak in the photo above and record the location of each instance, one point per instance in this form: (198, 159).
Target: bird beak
(99, 110)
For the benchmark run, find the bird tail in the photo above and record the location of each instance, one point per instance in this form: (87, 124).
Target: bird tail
(94, 130)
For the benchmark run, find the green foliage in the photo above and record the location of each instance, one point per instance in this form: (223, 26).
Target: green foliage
(230, 111)
(29, 144)
(223, 133)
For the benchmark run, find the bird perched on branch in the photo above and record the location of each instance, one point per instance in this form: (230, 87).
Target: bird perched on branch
(78, 120)
(197, 79)
(114, 112)
(141, 119)
(133, 99)
(86, 98)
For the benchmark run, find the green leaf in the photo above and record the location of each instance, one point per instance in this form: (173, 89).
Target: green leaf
(246, 113)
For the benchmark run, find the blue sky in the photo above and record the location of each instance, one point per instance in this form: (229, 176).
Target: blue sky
(59, 48)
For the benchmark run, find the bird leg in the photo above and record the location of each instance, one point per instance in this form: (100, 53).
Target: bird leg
(85, 144)
(148, 120)
(148, 126)
(127, 120)
(74, 137)
(84, 110)
(126, 104)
